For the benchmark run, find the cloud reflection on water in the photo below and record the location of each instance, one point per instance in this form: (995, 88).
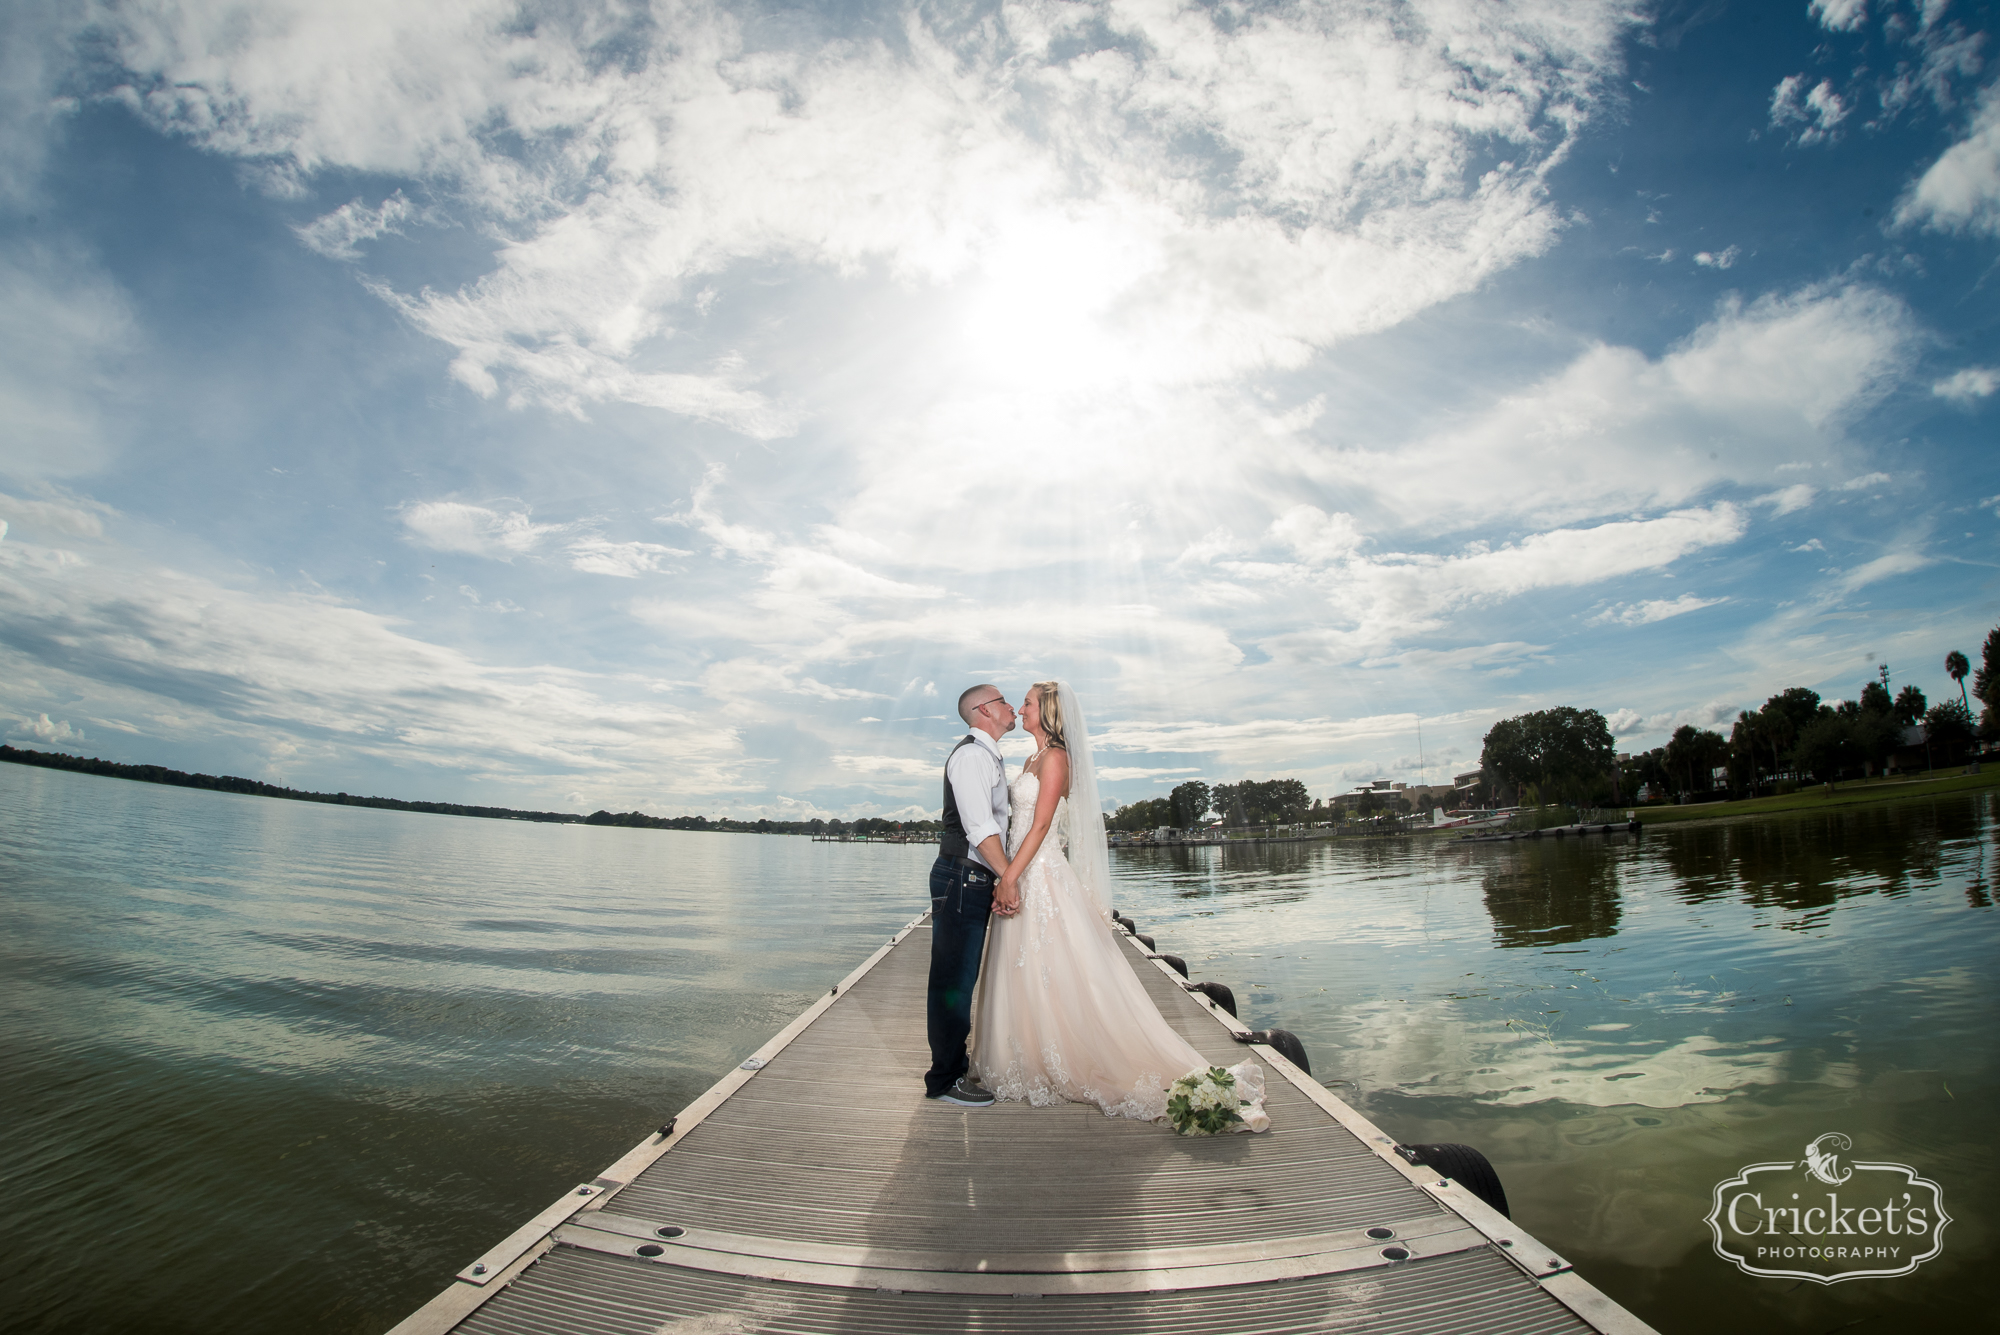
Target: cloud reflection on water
(1599, 973)
(1518, 1063)
(1620, 1024)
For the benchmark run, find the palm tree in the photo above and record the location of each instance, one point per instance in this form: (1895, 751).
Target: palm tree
(1744, 737)
(1957, 667)
(1986, 683)
(1778, 730)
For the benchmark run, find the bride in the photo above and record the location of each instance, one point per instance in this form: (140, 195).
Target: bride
(1058, 1013)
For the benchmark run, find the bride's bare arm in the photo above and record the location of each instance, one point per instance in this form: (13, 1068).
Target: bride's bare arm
(1054, 776)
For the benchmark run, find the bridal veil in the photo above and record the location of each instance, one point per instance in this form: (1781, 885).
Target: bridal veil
(1089, 857)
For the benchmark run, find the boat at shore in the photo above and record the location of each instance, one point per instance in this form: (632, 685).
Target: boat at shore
(1488, 819)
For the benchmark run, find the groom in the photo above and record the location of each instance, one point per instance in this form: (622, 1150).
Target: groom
(971, 860)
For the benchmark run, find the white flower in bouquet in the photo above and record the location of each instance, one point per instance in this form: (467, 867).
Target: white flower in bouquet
(1204, 1102)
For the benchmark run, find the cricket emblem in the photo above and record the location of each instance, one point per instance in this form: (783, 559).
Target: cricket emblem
(1823, 1161)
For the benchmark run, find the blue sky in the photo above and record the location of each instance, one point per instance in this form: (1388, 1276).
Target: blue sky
(673, 406)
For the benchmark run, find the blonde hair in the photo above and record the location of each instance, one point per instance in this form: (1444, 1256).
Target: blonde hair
(1050, 704)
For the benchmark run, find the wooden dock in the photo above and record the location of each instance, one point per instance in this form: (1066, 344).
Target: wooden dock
(814, 1189)
(1554, 832)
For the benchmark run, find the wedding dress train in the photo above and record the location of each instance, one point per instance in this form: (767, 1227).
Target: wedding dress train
(1059, 1015)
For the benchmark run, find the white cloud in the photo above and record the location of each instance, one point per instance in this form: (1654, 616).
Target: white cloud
(1839, 15)
(1502, 659)
(1961, 190)
(34, 67)
(1717, 259)
(1631, 723)
(800, 576)
(49, 733)
(1118, 773)
(1653, 609)
(1316, 537)
(194, 660)
(1787, 499)
(1574, 556)
(558, 370)
(68, 517)
(1217, 542)
(65, 330)
(1818, 112)
(1321, 751)
(738, 680)
(806, 587)
(1968, 384)
(454, 526)
(1756, 387)
(1809, 545)
(337, 235)
(1949, 53)
(1866, 481)
(1256, 735)
(1887, 566)
(900, 767)
(500, 605)
(1038, 162)
(1365, 606)
(600, 556)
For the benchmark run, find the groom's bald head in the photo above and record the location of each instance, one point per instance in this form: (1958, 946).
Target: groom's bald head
(974, 696)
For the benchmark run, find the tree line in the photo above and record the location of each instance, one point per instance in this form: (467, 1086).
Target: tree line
(1240, 805)
(231, 783)
(865, 825)
(1567, 755)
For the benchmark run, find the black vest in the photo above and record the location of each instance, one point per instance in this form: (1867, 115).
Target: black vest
(952, 842)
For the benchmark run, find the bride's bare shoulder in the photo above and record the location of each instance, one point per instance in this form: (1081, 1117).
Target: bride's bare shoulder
(1053, 767)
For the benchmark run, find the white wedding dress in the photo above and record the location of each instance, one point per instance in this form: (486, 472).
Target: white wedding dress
(1058, 1014)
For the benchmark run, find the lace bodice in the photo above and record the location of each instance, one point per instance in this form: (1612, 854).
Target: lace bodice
(1021, 795)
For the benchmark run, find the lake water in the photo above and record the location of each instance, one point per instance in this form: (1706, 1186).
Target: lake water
(276, 1066)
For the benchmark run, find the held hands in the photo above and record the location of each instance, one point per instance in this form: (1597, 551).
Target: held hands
(1007, 896)
(1007, 890)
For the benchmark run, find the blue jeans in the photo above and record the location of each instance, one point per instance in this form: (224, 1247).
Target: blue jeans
(961, 900)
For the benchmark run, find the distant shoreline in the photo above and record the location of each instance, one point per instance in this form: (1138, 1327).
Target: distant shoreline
(1817, 797)
(231, 783)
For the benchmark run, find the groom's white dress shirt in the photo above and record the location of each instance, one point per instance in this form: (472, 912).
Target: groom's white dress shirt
(978, 778)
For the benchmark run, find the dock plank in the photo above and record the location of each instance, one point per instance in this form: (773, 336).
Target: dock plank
(956, 1178)
(582, 1291)
(823, 1193)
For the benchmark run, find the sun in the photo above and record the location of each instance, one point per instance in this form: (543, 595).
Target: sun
(1043, 307)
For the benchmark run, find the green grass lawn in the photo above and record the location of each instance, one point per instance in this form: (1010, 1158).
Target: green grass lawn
(1854, 792)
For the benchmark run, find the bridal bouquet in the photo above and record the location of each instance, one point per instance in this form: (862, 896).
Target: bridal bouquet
(1204, 1102)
